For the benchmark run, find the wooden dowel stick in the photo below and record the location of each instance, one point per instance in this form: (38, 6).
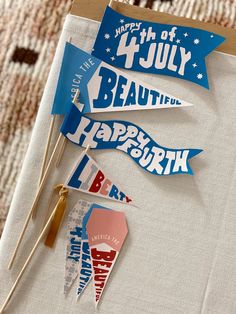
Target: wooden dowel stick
(36, 199)
(28, 260)
(62, 149)
(45, 157)
(49, 206)
(61, 152)
(52, 194)
(87, 149)
(46, 151)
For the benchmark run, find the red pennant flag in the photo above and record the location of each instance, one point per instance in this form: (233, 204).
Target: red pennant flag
(107, 230)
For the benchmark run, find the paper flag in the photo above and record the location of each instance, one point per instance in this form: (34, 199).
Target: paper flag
(89, 177)
(107, 231)
(86, 264)
(74, 235)
(155, 48)
(85, 267)
(104, 88)
(129, 138)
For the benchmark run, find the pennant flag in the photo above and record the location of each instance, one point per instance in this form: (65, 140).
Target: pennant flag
(104, 88)
(85, 264)
(85, 269)
(149, 47)
(88, 177)
(74, 235)
(107, 231)
(129, 138)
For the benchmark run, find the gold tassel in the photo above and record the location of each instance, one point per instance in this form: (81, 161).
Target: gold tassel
(58, 217)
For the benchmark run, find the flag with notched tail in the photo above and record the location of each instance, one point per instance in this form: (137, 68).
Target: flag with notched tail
(129, 138)
(149, 47)
(88, 177)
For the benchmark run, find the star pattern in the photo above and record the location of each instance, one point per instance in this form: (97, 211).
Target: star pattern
(107, 36)
(193, 40)
(75, 219)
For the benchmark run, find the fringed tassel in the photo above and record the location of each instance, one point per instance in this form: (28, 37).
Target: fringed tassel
(58, 217)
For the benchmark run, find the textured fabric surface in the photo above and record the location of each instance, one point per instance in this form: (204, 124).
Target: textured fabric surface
(179, 257)
(29, 33)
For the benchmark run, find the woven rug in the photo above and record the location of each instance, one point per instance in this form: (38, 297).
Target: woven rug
(29, 31)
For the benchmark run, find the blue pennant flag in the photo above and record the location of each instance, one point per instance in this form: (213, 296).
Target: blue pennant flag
(129, 138)
(104, 88)
(157, 48)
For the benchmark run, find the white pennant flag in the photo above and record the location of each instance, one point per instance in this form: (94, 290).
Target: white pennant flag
(88, 177)
(104, 88)
(73, 250)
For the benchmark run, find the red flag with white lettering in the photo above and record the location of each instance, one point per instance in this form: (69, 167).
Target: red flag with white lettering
(107, 230)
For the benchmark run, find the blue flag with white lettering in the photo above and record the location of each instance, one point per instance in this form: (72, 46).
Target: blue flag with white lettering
(129, 138)
(104, 88)
(150, 47)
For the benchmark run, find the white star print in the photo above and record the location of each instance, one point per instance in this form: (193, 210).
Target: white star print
(178, 41)
(93, 50)
(195, 65)
(122, 21)
(185, 34)
(108, 50)
(113, 58)
(199, 76)
(212, 36)
(196, 41)
(107, 36)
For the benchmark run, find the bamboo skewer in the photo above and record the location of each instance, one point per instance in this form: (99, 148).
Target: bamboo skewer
(80, 107)
(61, 152)
(45, 157)
(36, 199)
(42, 234)
(52, 194)
(28, 260)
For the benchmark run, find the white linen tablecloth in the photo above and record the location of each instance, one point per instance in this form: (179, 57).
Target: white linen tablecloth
(180, 254)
